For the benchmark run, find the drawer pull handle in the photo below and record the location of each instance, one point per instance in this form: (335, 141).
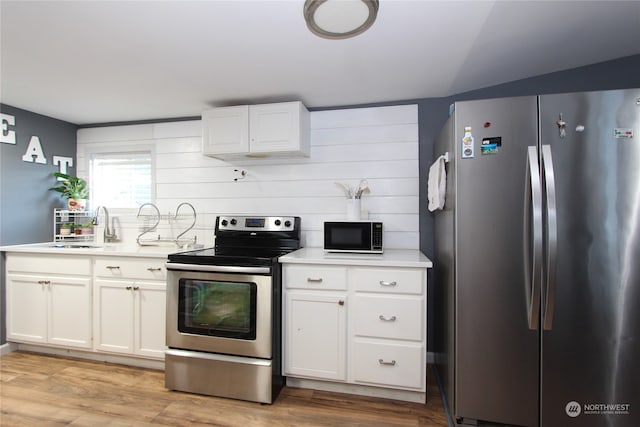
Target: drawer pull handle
(382, 362)
(44, 282)
(312, 280)
(385, 283)
(128, 288)
(113, 267)
(154, 269)
(387, 319)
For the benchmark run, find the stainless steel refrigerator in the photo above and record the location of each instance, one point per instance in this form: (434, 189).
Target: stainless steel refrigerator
(537, 260)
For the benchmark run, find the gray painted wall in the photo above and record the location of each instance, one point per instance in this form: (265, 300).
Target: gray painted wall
(26, 205)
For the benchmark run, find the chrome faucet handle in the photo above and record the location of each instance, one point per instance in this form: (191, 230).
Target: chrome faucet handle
(95, 220)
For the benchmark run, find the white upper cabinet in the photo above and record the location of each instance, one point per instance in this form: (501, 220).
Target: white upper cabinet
(265, 130)
(225, 131)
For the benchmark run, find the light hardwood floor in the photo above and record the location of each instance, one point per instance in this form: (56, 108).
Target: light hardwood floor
(39, 390)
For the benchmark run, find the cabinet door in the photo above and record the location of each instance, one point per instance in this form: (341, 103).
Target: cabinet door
(150, 310)
(26, 308)
(315, 336)
(275, 127)
(69, 312)
(225, 130)
(113, 316)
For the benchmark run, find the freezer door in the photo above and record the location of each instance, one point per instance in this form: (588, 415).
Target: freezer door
(497, 354)
(591, 346)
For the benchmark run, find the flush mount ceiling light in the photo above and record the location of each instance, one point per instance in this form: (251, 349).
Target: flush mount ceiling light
(339, 19)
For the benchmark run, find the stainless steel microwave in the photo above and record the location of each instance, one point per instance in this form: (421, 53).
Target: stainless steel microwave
(353, 236)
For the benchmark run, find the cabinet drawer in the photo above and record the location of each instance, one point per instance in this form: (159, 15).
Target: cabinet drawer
(140, 268)
(49, 264)
(399, 365)
(389, 317)
(303, 276)
(392, 280)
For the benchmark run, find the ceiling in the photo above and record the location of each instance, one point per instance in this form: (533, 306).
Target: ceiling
(111, 61)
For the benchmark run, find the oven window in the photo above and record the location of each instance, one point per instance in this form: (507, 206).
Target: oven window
(216, 308)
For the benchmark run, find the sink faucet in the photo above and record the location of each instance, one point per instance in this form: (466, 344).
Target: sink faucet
(109, 235)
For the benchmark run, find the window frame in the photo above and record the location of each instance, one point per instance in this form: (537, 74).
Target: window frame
(118, 149)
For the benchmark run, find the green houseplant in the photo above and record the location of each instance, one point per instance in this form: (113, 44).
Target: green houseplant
(75, 189)
(65, 229)
(86, 228)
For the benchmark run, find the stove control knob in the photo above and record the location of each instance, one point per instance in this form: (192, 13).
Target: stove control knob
(287, 223)
(233, 221)
(278, 222)
(224, 223)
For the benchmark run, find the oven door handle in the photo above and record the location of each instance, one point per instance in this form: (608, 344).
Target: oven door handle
(217, 268)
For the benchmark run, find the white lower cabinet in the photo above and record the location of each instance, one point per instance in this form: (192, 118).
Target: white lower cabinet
(111, 304)
(316, 335)
(129, 317)
(49, 300)
(129, 309)
(378, 339)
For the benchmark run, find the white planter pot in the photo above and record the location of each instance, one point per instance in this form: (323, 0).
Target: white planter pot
(76, 204)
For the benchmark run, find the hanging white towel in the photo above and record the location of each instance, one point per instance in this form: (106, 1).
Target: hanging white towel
(437, 184)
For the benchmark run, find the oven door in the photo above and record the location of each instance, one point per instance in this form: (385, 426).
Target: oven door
(218, 311)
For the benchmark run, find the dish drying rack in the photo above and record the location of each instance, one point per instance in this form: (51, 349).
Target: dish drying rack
(156, 217)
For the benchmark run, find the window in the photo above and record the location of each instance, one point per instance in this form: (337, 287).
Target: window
(121, 180)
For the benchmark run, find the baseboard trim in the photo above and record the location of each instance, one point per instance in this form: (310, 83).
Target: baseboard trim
(94, 356)
(362, 390)
(8, 348)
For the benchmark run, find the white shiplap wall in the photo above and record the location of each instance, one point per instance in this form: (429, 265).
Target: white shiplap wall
(379, 144)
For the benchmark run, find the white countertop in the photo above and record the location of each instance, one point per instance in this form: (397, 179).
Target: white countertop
(96, 249)
(390, 258)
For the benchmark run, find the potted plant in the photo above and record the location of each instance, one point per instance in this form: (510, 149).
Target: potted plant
(74, 189)
(86, 228)
(65, 229)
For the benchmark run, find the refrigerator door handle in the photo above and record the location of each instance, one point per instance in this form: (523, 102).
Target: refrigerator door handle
(549, 291)
(533, 238)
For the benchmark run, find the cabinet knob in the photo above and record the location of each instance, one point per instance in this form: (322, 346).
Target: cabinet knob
(135, 288)
(44, 282)
(385, 283)
(383, 362)
(387, 319)
(128, 288)
(341, 302)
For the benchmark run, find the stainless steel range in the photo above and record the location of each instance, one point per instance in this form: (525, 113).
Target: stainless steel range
(224, 310)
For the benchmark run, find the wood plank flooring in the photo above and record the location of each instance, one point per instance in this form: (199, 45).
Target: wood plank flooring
(40, 390)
